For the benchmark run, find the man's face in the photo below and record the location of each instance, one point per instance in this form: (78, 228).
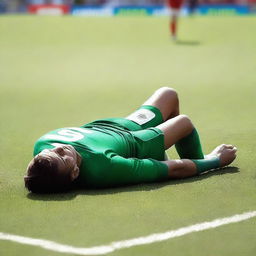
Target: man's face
(66, 157)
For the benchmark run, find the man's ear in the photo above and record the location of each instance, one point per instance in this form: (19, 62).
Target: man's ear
(75, 172)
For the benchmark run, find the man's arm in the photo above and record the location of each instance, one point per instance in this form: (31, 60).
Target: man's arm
(183, 168)
(133, 170)
(115, 170)
(111, 170)
(221, 156)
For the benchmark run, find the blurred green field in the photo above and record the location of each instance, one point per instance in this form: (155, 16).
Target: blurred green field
(65, 71)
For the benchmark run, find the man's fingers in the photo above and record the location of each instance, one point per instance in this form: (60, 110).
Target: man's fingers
(231, 147)
(233, 150)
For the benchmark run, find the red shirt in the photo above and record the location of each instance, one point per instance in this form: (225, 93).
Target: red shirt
(174, 4)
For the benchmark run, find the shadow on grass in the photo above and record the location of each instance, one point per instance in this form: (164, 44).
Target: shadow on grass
(187, 42)
(143, 187)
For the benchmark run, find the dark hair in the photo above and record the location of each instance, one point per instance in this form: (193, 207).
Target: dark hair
(43, 177)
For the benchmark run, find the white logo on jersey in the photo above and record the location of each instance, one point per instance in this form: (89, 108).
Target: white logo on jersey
(70, 134)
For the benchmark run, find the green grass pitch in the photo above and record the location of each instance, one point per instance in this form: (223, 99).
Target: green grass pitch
(65, 71)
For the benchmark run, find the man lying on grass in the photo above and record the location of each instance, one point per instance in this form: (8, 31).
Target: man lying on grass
(123, 151)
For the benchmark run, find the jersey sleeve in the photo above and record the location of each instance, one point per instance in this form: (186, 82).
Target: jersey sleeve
(119, 171)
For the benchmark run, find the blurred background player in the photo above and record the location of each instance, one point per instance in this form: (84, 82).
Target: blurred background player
(175, 6)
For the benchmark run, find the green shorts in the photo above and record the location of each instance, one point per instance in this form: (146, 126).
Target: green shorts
(142, 122)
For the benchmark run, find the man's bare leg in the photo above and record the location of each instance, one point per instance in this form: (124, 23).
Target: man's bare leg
(166, 100)
(173, 24)
(175, 129)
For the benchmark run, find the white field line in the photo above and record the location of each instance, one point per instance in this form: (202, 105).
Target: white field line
(104, 249)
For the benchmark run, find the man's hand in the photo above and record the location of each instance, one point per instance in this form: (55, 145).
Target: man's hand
(226, 154)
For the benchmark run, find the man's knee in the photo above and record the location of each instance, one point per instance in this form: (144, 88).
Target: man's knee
(185, 122)
(168, 92)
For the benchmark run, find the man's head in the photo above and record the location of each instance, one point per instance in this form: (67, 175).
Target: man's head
(53, 170)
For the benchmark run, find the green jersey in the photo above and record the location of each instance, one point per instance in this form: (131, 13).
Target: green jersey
(111, 154)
